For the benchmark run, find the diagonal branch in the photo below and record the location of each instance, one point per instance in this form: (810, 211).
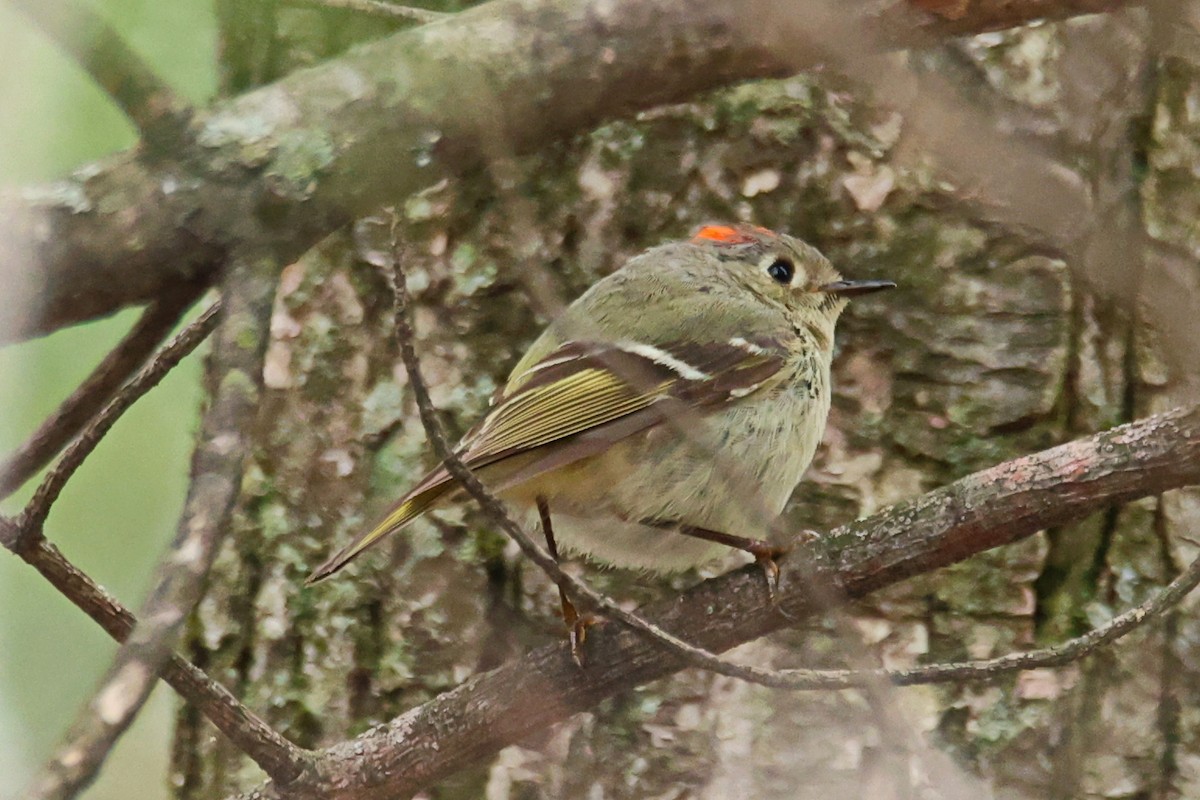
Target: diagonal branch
(236, 370)
(338, 140)
(955, 17)
(985, 669)
(34, 515)
(380, 8)
(75, 412)
(994, 507)
(150, 104)
(802, 679)
(278, 757)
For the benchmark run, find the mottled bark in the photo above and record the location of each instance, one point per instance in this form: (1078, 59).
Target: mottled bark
(989, 349)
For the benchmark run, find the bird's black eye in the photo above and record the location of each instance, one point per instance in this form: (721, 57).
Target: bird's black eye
(781, 270)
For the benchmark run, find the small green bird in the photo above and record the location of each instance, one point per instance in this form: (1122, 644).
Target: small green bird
(668, 413)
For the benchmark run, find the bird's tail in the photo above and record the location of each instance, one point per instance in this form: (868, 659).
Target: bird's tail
(400, 515)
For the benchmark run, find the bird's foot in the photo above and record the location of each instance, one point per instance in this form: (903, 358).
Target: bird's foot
(767, 556)
(577, 625)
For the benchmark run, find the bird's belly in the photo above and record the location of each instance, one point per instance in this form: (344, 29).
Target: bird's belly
(696, 472)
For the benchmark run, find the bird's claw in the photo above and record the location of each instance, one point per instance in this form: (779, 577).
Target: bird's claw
(577, 635)
(767, 557)
(577, 625)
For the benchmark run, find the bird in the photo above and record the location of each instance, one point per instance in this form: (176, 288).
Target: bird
(667, 414)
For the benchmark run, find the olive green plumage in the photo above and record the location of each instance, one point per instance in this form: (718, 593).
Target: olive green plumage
(690, 387)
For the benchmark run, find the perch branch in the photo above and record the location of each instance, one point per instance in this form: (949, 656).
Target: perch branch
(997, 506)
(235, 369)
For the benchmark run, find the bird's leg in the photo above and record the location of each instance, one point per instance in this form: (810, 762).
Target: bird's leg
(765, 553)
(576, 624)
(569, 614)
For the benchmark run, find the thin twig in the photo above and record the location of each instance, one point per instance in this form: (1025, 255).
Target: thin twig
(795, 679)
(34, 515)
(496, 511)
(278, 757)
(986, 669)
(73, 414)
(235, 370)
(379, 9)
(158, 113)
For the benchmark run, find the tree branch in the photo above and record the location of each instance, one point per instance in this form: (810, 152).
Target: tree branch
(956, 17)
(236, 369)
(986, 669)
(802, 679)
(379, 8)
(338, 140)
(997, 506)
(150, 104)
(34, 514)
(278, 757)
(108, 376)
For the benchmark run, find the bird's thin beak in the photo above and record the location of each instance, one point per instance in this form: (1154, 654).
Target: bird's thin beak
(855, 288)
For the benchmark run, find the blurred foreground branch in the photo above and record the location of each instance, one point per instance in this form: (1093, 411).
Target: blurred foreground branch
(289, 163)
(24, 537)
(379, 8)
(249, 732)
(158, 113)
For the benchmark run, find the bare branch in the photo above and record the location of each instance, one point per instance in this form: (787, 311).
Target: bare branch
(380, 9)
(695, 656)
(954, 17)
(384, 133)
(150, 104)
(47, 493)
(236, 371)
(986, 669)
(74, 412)
(278, 757)
(997, 506)
(796, 679)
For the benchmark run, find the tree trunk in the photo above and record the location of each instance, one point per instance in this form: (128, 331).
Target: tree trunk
(990, 348)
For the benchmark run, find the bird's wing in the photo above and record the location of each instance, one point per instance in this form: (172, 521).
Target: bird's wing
(581, 398)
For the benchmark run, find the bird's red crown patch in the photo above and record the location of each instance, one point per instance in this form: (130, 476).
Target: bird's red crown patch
(728, 234)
